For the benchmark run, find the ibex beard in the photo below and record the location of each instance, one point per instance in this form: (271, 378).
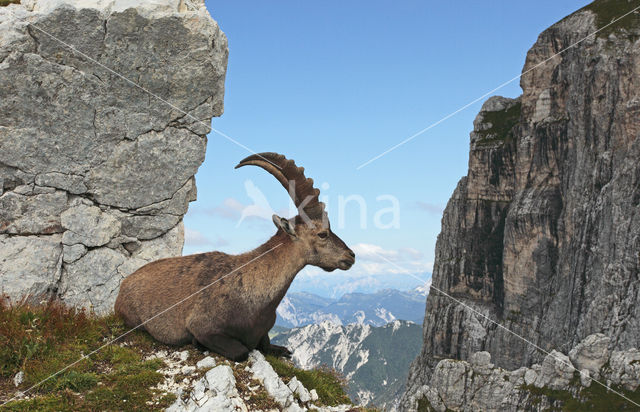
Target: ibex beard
(234, 315)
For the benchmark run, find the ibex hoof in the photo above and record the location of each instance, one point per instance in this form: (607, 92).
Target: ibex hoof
(277, 350)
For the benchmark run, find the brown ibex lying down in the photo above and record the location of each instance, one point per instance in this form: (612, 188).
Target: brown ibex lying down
(234, 315)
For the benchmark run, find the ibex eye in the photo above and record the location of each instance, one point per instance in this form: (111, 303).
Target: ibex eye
(323, 235)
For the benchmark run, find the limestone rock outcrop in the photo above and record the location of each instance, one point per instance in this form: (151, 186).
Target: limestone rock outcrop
(479, 385)
(543, 234)
(218, 390)
(96, 172)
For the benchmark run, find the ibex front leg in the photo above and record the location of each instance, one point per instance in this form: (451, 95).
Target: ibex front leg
(216, 341)
(267, 348)
(228, 347)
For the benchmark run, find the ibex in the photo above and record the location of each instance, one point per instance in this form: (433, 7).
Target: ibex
(234, 315)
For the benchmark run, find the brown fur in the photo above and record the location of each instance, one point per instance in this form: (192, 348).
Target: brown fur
(234, 314)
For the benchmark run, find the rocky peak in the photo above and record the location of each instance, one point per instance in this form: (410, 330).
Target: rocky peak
(96, 173)
(543, 234)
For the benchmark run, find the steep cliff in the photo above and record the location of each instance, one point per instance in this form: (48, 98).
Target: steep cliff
(95, 172)
(543, 234)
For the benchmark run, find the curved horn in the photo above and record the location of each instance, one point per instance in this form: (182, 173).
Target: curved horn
(292, 178)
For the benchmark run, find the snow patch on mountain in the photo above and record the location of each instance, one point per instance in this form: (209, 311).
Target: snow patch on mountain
(424, 289)
(384, 314)
(368, 356)
(296, 315)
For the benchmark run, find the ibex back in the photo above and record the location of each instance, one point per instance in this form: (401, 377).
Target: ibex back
(234, 315)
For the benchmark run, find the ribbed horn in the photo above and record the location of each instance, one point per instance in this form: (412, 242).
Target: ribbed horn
(292, 178)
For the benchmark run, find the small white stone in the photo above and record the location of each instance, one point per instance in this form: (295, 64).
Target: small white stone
(298, 388)
(199, 390)
(205, 363)
(183, 356)
(530, 377)
(585, 378)
(222, 381)
(263, 372)
(18, 379)
(314, 395)
(294, 407)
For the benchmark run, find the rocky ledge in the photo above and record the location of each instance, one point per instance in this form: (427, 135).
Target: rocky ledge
(589, 371)
(215, 384)
(95, 172)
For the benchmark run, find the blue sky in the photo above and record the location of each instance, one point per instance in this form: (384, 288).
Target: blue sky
(333, 84)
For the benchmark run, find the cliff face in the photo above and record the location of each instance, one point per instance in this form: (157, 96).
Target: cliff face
(560, 382)
(543, 235)
(95, 174)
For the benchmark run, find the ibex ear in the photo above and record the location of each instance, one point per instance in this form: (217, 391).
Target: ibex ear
(284, 224)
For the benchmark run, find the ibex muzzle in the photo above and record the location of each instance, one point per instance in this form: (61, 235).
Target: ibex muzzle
(234, 316)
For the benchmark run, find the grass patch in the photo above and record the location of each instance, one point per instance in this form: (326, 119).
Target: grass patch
(329, 385)
(42, 339)
(608, 10)
(425, 406)
(502, 123)
(595, 398)
(260, 400)
(255, 400)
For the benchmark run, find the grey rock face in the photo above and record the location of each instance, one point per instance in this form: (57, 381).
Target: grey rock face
(478, 385)
(88, 226)
(543, 234)
(95, 173)
(591, 354)
(625, 367)
(556, 371)
(29, 214)
(29, 264)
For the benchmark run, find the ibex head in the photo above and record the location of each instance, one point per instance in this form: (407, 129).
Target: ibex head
(311, 225)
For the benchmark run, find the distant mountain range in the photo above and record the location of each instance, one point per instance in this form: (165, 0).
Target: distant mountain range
(374, 360)
(334, 286)
(377, 309)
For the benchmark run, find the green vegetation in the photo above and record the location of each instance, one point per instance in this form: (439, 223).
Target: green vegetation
(255, 400)
(327, 383)
(608, 10)
(502, 123)
(7, 2)
(425, 406)
(594, 398)
(41, 340)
